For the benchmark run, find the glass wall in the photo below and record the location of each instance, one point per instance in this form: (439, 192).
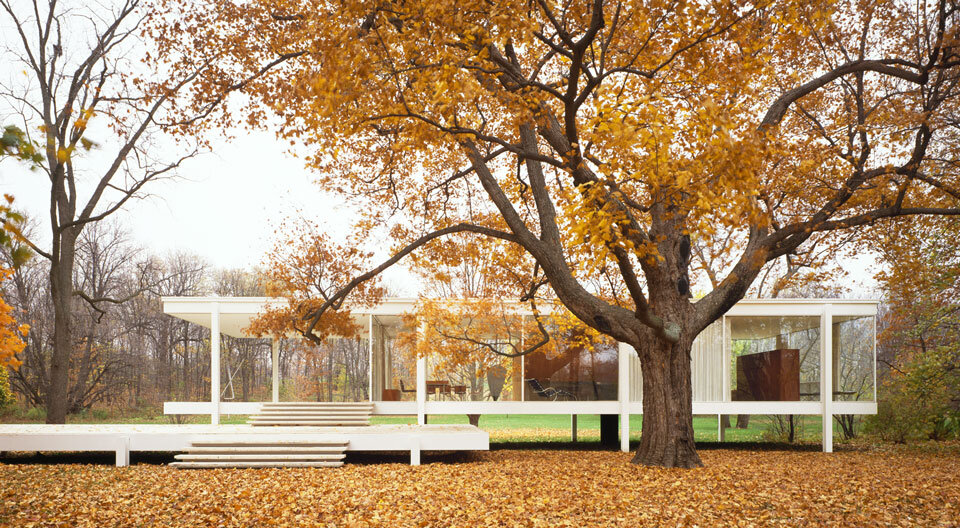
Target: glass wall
(774, 358)
(488, 377)
(853, 358)
(394, 369)
(335, 371)
(572, 372)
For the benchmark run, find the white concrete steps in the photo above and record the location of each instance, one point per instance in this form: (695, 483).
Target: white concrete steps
(261, 457)
(253, 440)
(305, 422)
(220, 465)
(322, 414)
(268, 449)
(305, 412)
(317, 405)
(258, 450)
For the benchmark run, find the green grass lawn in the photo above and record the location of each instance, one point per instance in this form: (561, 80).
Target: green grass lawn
(503, 428)
(556, 427)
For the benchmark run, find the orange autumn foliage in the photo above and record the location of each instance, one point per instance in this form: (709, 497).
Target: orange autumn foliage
(667, 120)
(576, 488)
(469, 315)
(604, 139)
(12, 333)
(305, 268)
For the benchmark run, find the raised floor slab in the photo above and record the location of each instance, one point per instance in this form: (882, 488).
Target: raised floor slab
(124, 438)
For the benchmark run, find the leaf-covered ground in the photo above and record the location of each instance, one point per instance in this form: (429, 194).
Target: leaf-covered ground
(869, 487)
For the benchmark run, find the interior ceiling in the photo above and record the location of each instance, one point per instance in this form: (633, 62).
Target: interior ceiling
(762, 327)
(741, 327)
(234, 325)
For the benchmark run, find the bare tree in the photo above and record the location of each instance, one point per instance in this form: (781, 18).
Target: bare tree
(80, 62)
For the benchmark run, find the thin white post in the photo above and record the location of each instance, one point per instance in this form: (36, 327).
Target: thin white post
(523, 369)
(874, 333)
(826, 376)
(725, 336)
(123, 452)
(623, 394)
(275, 362)
(215, 363)
(573, 427)
(421, 390)
(725, 372)
(370, 353)
(421, 384)
(414, 450)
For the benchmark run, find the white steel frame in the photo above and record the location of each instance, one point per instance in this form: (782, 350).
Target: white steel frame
(210, 312)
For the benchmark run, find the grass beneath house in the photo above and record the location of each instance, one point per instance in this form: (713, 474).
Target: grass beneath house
(557, 427)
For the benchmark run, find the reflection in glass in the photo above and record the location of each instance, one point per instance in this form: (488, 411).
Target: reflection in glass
(492, 378)
(774, 358)
(853, 363)
(573, 372)
(335, 371)
(394, 372)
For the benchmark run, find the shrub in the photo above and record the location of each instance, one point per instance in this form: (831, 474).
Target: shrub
(36, 414)
(784, 428)
(919, 401)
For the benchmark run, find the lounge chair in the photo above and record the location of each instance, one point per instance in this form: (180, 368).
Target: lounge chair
(549, 392)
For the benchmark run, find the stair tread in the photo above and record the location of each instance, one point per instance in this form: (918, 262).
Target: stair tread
(300, 423)
(317, 407)
(242, 464)
(260, 457)
(314, 411)
(267, 449)
(255, 442)
(311, 417)
(308, 419)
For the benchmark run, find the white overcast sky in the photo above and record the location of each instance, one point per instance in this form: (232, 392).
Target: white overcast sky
(223, 206)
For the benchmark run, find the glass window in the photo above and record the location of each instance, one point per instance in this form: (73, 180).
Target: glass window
(774, 358)
(572, 372)
(488, 378)
(853, 358)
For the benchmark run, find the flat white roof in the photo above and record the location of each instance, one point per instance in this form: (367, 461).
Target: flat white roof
(237, 312)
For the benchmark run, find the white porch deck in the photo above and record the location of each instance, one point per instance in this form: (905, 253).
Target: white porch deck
(124, 438)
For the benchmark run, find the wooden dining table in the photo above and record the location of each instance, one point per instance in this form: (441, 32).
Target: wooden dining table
(438, 387)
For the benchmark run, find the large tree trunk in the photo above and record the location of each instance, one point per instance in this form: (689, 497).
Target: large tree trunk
(666, 439)
(61, 292)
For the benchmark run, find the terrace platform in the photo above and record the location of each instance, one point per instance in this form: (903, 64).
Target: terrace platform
(125, 438)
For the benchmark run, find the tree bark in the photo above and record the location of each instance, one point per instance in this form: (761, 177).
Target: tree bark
(666, 439)
(61, 292)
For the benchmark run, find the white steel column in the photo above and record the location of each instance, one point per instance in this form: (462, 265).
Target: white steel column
(623, 394)
(523, 369)
(421, 384)
(421, 390)
(370, 352)
(215, 363)
(826, 376)
(725, 382)
(275, 362)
